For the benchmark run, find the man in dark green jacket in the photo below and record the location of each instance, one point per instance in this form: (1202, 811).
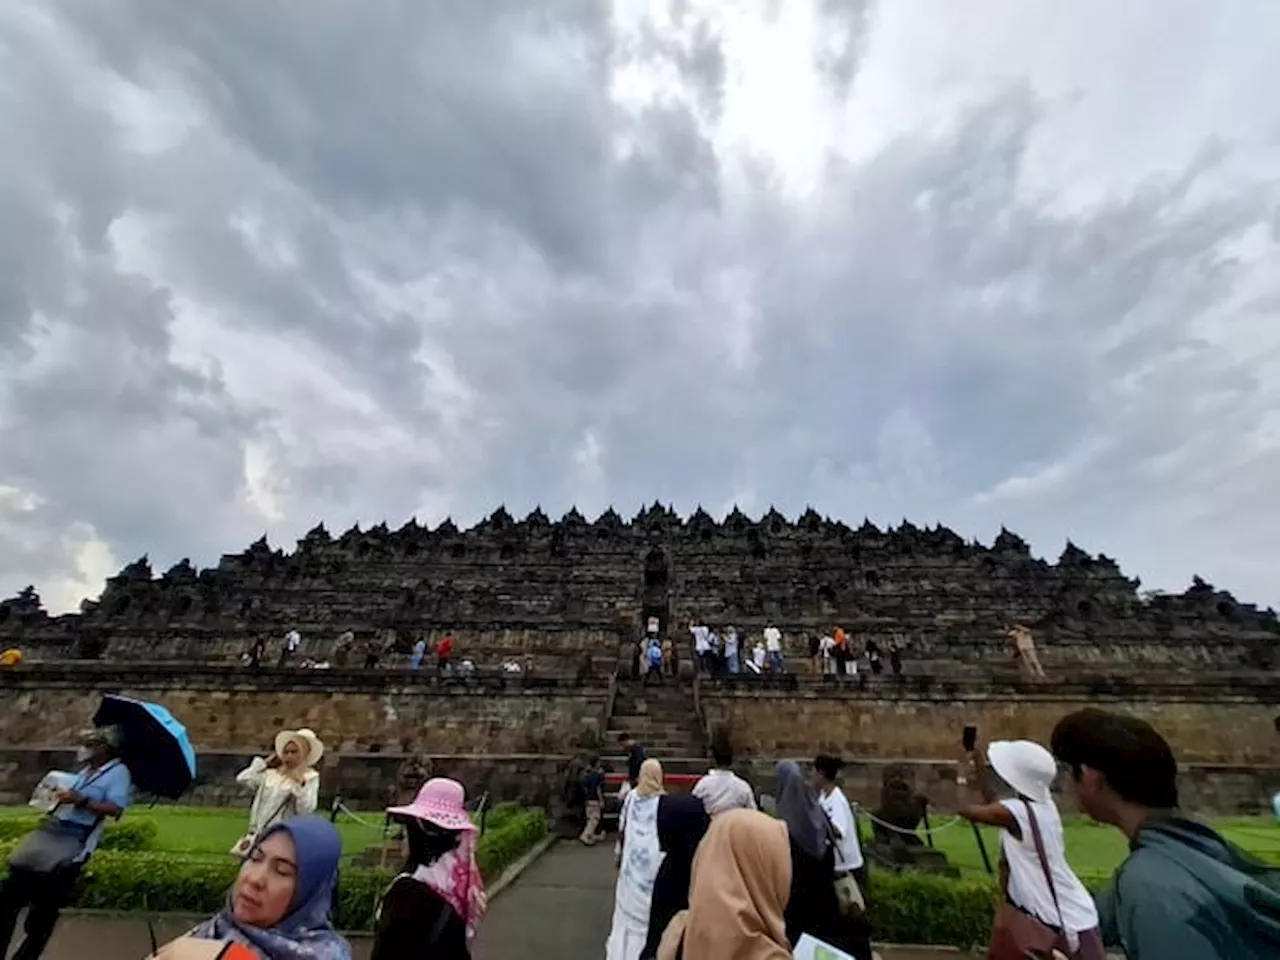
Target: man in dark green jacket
(1183, 893)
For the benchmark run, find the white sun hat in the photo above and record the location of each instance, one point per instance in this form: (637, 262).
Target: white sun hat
(1026, 766)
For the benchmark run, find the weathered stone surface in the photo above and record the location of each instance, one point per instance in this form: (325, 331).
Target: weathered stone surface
(1232, 723)
(573, 586)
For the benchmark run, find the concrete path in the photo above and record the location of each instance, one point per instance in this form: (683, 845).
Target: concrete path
(559, 908)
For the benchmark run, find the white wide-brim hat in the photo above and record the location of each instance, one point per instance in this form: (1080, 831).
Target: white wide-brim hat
(307, 736)
(1026, 766)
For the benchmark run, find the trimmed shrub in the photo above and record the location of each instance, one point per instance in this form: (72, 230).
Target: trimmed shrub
(922, 908)
(126, 835)
(496, 818)
(157, 882)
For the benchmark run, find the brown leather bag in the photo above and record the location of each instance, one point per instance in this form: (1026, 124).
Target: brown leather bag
(1016, 934)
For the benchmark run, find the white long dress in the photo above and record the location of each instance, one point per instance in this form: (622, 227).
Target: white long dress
(641, 857)
(279, 797)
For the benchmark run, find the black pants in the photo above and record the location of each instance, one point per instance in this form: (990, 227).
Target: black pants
(45, 895)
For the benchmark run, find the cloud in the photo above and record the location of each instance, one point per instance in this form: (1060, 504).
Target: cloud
(261, 267)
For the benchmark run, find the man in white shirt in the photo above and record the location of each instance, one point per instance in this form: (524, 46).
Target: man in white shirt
(731, 650)
(722, 789)
(292, 640)
(836, 806)
(773, 646)
(702, 646)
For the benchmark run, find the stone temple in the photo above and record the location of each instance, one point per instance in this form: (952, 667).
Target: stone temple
(566, 597)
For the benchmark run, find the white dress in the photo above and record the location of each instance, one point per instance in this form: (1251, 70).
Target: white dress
(279, 797)
(641, 858)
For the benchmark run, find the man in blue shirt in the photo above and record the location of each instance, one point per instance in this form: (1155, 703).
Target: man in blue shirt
(101, 789)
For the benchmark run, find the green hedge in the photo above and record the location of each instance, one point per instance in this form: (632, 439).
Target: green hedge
(156, 882)
(921, 908)
(126, 835)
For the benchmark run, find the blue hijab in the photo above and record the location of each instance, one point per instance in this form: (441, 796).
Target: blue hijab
(305, 933)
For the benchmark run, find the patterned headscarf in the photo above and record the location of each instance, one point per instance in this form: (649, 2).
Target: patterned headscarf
(456, 878)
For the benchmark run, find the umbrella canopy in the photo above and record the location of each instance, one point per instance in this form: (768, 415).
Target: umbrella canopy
(155, 746)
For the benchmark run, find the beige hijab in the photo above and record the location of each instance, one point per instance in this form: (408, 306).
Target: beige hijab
(741, 883)
(649, 783)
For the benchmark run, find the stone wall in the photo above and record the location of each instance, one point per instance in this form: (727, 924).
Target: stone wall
(1230, 723)
(233, 710)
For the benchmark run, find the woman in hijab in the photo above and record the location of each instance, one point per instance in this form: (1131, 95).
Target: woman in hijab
(682, 822)
(638, 860)
(434, 906)
(814, 907)
(280, 903)
(741, 882)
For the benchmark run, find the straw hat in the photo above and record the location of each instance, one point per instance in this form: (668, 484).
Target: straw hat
(1026, 766)
(307, 736)
(440, 801)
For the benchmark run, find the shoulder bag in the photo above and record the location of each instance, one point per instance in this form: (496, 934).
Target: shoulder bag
(244, 846)
(848, 893)
(1016, 934)
(56, 844)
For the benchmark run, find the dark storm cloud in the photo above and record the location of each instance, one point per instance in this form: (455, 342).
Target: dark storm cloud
(264, 266)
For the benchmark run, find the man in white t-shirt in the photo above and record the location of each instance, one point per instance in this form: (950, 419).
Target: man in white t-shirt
(292, 640)
(722, 789)
(835, 804)
(702, 646)
(773, 646)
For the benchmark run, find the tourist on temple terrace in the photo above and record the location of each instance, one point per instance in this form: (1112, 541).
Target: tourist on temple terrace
(280, 902)
(286, 784)
(47, 862)
(813, 906)
(1045, 904)
(741, 882)
(1183, 893)
(433, 908)
(638, 858)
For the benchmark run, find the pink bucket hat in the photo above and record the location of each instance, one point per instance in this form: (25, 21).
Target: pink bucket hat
(440, 801)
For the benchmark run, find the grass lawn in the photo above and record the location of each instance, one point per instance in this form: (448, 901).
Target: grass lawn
(1094, 850)
(212, 830)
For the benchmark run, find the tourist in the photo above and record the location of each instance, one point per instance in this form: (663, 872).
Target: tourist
(895, 656)
(593, 800)
(715, 657)
(682, 823)
(813, 906)
(257, 651)
(46, 864)
(287, 784)
(637, 860)
(635, 757)
(372, 652)
(1036, 877)
(815, 654)
(759, 662)
(702, 647)
(444, 654)
(292, 640)
(741, 882)
(1184, 892)
(848, 848)
(1024, 651)
(434, 906)
(669, 658)
(653, 661)
(773, 646)
(873, 656)
(722, 789)
(281, 900)
(342, 650)
(732, 651)
(419, 654)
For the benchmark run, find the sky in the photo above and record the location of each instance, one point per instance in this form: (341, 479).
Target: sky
(1001, 262)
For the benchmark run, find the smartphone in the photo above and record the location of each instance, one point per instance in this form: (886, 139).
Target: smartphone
(970, 738)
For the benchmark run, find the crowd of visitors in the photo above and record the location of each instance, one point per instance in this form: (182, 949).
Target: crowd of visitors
(708, 876)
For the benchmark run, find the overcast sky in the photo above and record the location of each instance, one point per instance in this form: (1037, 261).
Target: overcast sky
(983, 263)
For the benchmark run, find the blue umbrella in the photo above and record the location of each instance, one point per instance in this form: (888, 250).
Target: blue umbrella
(154, 745)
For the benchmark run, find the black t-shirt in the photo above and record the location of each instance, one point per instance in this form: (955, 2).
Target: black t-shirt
(414, 922)
(635, 760)
(592, 784)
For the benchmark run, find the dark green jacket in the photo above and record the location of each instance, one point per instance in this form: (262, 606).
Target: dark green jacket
(1185, 893)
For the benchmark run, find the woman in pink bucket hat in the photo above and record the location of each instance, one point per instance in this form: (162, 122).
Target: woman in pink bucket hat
(433, 907)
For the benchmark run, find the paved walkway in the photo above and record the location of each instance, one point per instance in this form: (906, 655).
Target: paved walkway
(559, 908)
